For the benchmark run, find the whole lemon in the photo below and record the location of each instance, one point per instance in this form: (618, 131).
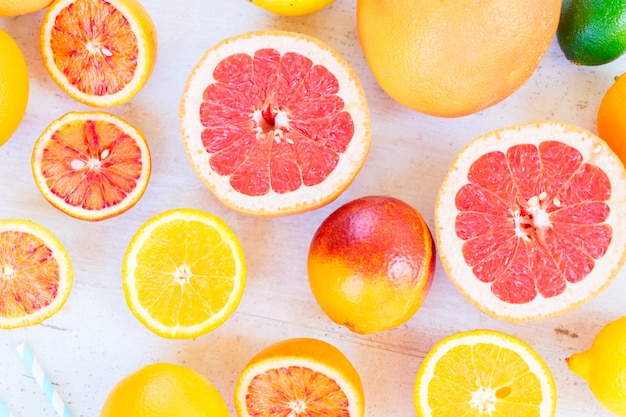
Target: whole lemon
(371, 264)
(603, 366)
(164, 389)
(292, 7)
(13, 86)
(20, 7)
(592, 32)
(454, 58)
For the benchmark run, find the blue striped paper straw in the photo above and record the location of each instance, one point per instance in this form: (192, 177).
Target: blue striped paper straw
(4, 410)
(34, 367)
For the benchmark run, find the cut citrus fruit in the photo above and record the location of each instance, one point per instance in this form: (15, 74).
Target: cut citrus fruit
(299, 377)
(484, 373)
(164, 389)
(91, 165)
(274, 123)
(101, 53)
(529, 220)
(184, 273)
(36, 275)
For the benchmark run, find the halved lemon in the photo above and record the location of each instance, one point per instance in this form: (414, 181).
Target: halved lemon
(183, 273)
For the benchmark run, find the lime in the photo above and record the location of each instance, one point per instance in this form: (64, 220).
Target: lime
(592, 32)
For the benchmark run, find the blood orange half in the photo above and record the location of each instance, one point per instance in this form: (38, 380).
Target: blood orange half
(274, 123)
(36, 274)
(530, 219)
(91, 165)
(101, 53)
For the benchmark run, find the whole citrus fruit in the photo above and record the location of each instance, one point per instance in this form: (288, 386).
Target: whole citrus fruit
(299, 377)
(529, 220)
(14, 86)
(20, 7)
(164, 389)
(611, 119)
(603, 366)
(592, 32)
(274, 122)
(371, 263)
(293, 7)
(454, 58)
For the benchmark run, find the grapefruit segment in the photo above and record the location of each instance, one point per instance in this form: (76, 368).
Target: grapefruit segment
(274, 122)
(527, 220)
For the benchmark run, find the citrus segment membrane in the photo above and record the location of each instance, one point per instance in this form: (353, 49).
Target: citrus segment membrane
(99, 52)
(274, 122)
(484, 373)
(91, 165)
(36, 275)
(183, 273)
(528, 220)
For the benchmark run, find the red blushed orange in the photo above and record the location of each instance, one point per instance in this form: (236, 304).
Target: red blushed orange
(371, 264)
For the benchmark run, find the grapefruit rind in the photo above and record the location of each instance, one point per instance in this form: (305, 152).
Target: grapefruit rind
(145, 32)
(78, 212)
(130, 265)
(66, 273)
(313, 354)
(595, 151)
(304, 198)
(535, 363)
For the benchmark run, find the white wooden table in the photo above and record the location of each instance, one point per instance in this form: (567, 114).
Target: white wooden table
(94, 340)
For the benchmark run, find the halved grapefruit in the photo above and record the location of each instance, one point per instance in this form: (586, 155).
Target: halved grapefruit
(274, 123)
(530, 220)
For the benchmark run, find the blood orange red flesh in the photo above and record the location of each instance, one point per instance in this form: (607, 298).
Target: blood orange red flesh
(91, 165)
(36, 274)
(529, 220)
(274, 122)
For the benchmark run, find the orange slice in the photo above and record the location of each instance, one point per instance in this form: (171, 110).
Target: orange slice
(274, 123)
(299, 377)
(91, 165)
(101, 53)
(529, 220)
(183, 273)
(36, 275)
(484, 373)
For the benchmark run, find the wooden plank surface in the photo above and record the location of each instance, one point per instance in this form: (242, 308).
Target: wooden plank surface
(95, 341)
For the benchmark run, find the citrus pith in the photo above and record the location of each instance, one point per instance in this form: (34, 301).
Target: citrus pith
(299, 377)
(101, 53)
(36, 274)
(528, 217)
(274, 123)
(91, 165)
(183, 273)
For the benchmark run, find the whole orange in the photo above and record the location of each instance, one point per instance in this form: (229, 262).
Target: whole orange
(611, 119)
(371, 263)
(454, 58)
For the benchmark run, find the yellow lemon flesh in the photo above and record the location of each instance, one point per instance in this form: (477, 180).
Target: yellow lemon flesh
(603, 366)
(292, 7)
(13, 86)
